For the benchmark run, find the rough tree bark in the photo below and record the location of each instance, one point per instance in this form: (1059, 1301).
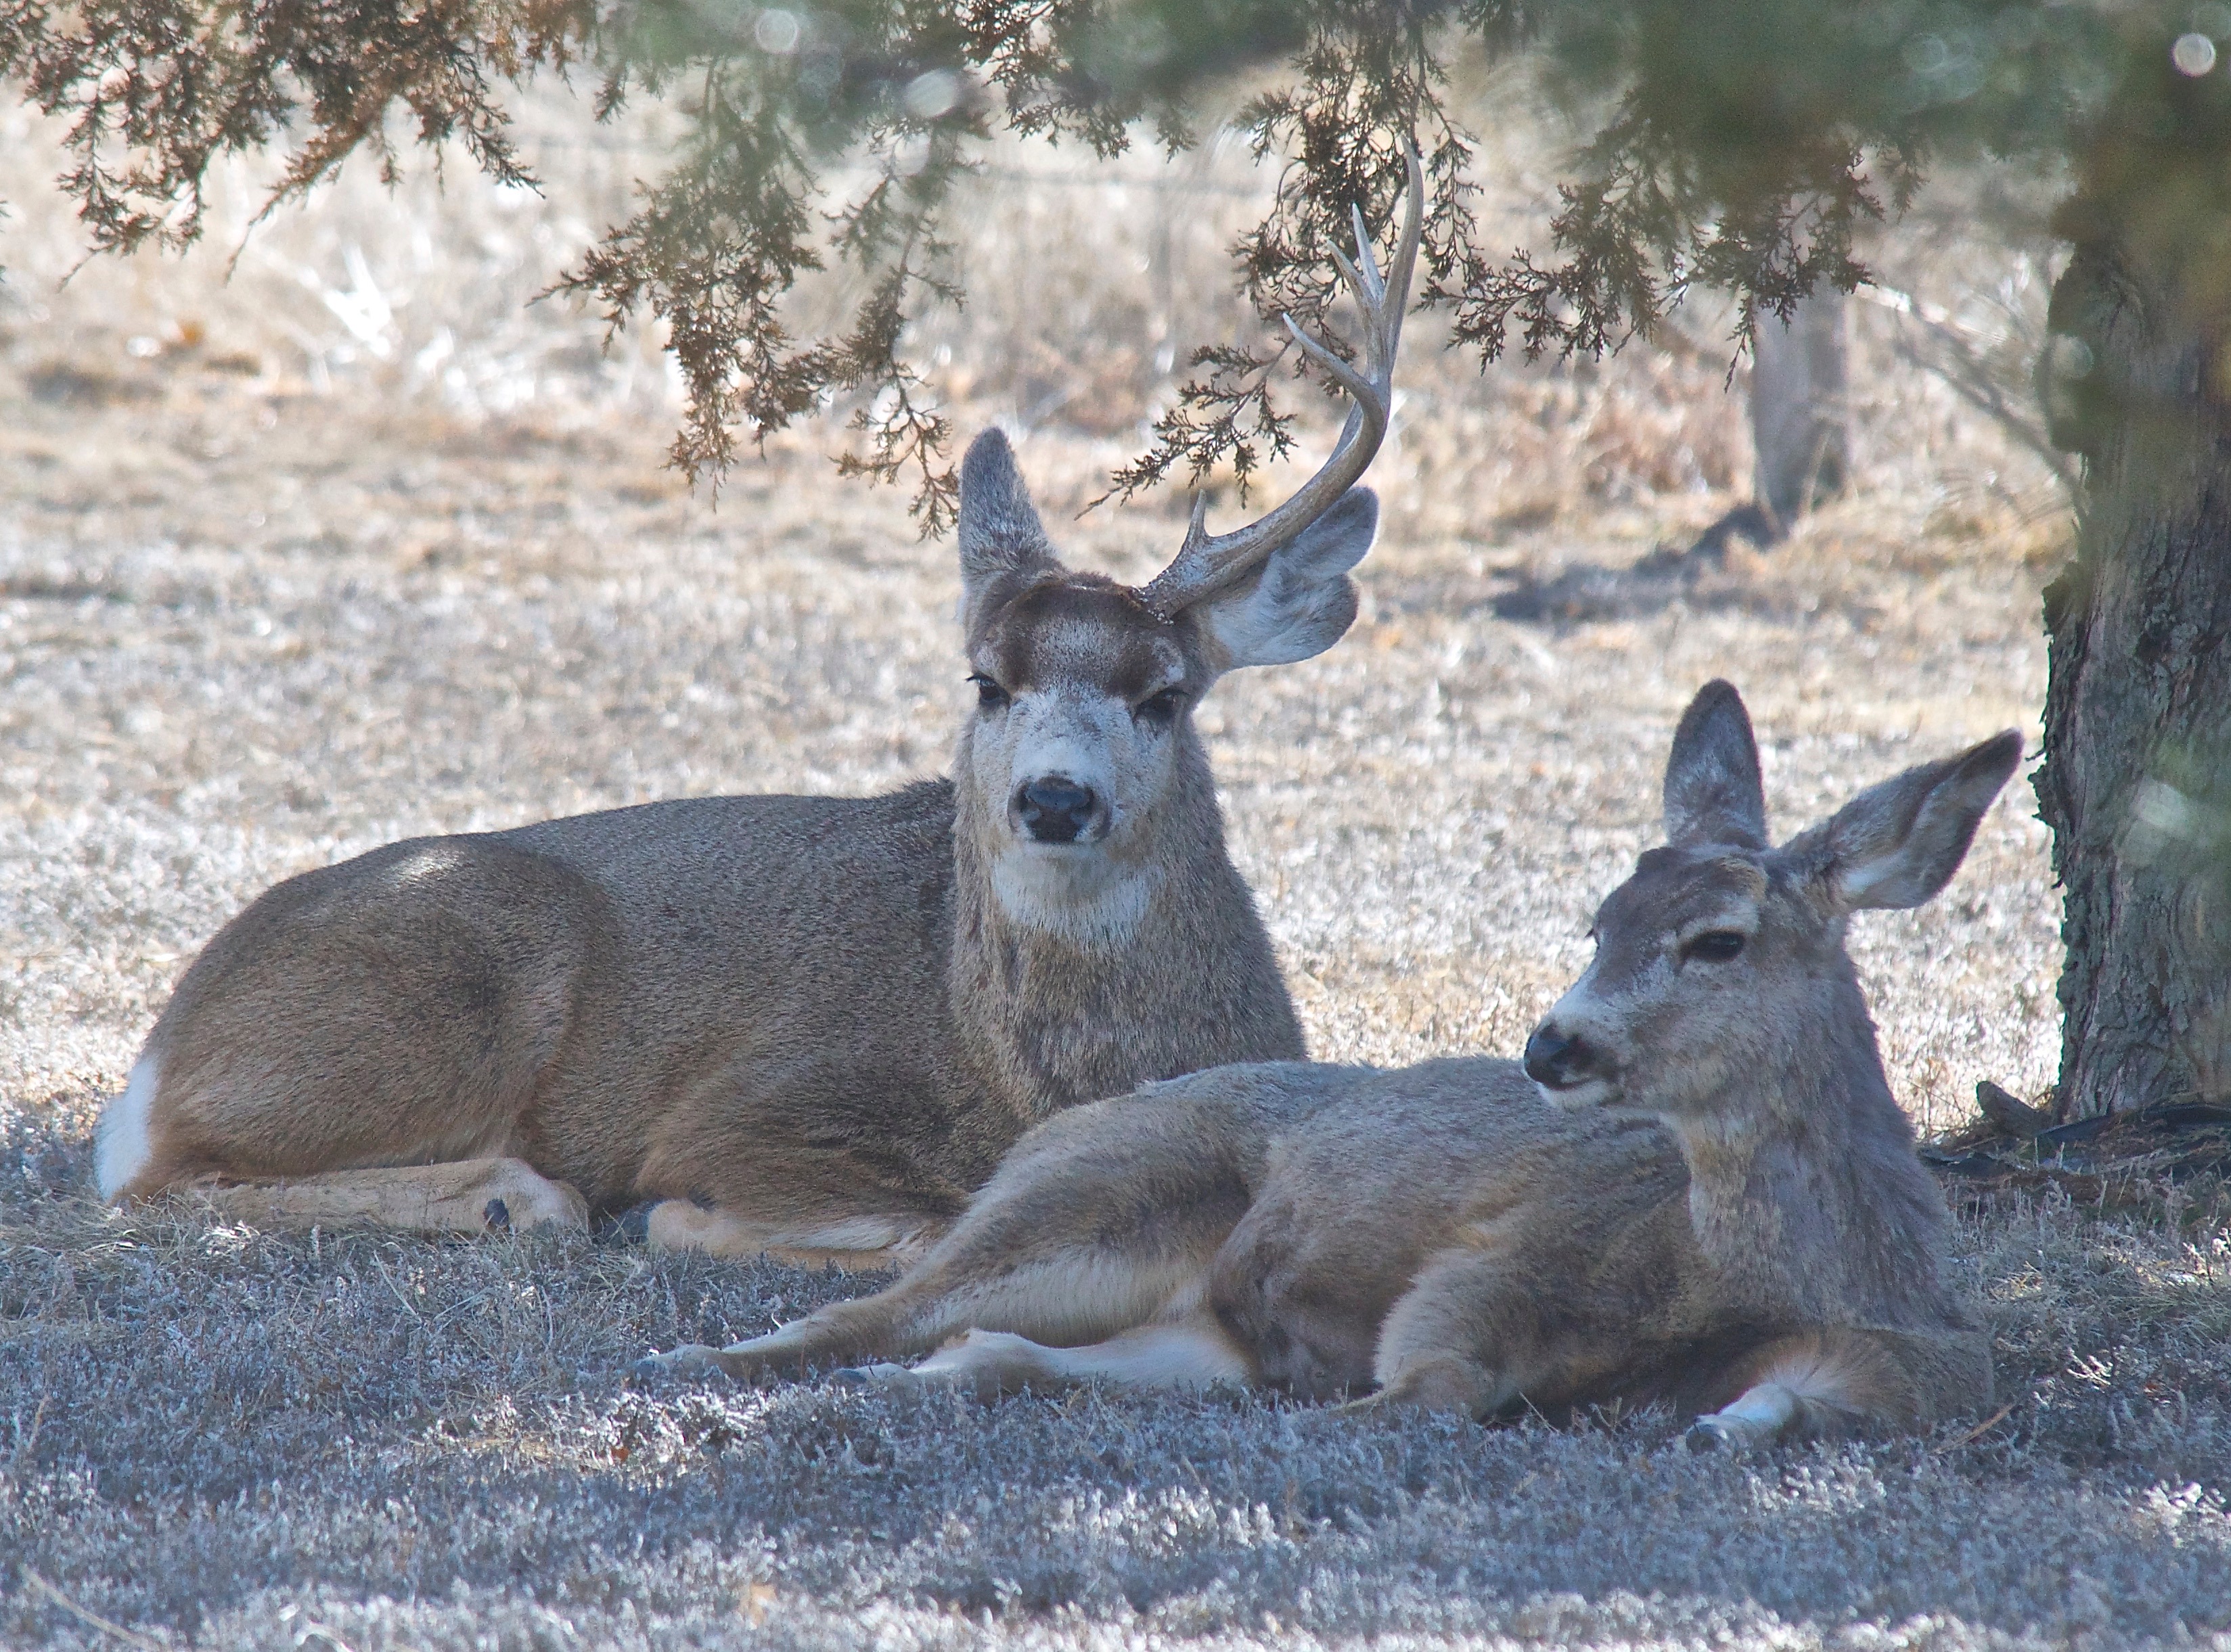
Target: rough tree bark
(1799, 418)
(2136, 782)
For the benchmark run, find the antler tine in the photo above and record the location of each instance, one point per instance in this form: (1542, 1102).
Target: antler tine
(1196, 529)
(1404, 262)
(1365, 276)
(1206, 564)
(1362, 389)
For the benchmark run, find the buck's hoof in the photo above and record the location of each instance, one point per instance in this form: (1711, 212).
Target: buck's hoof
(628, 1227)
(497, 1215)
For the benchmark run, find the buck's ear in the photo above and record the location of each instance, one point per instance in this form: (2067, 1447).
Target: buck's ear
(1300, 601)
(1712, 790)
(1897, 844)
(1003, 544)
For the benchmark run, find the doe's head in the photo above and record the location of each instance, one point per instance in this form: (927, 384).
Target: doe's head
(1721, 961)
(1082, 727)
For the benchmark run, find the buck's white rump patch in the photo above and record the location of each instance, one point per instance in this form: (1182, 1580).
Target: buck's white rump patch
(122, 1146)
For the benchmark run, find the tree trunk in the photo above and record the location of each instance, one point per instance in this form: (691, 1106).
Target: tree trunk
(1798, 418)
(2136, 782)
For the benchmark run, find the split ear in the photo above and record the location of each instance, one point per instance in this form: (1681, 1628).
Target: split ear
(1300, 601)
(1003, 544)
(1713, 794)
(1897, 844)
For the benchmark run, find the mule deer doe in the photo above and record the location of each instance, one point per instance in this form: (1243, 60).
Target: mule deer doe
(810, 1025)
(1696, 1189)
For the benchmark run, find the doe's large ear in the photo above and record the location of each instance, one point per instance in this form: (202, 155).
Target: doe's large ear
(1897, 844)
(1002, 541)
(1713, 794)
(1300, 601)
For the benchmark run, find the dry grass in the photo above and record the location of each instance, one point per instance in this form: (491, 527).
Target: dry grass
(256, 613)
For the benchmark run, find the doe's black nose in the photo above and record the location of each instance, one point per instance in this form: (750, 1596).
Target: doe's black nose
(1555, 1061)
(1054, 811)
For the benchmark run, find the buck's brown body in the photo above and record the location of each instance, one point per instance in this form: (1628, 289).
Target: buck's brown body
(1697, 1187)
(769, 1005)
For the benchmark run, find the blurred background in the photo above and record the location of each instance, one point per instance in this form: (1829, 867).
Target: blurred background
(1089, 285)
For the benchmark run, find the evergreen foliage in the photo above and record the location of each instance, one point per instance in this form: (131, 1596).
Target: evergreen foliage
(1737, 143)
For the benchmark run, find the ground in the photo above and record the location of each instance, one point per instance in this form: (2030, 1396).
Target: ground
(255, 615)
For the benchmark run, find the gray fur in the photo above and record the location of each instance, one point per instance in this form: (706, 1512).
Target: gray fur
(1898, 843)
(1722, 1208)
(1300, 601)
(1002, 541)
(1713, 791)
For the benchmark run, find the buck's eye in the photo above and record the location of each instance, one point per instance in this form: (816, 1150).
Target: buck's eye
(989, 694)
(1713, 946)
(1162, 707)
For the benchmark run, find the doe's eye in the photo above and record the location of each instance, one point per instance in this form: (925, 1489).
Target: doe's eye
(1162, 707)
(1713, 946)
(989, 694)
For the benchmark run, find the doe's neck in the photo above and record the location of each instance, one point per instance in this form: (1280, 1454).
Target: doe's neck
(1805, 1195)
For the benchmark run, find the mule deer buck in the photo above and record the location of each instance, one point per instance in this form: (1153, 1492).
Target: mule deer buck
(805, 1025)
(1696, 1189)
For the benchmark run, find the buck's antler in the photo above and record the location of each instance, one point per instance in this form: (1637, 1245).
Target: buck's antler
(1207, 565)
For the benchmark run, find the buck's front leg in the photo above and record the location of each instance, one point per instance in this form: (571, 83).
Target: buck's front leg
(464, 1196)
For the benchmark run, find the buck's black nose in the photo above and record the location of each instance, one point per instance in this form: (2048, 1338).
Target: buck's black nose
(1055, 810)
(1556, 1061)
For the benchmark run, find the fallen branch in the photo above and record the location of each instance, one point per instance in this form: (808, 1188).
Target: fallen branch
(130, 1638)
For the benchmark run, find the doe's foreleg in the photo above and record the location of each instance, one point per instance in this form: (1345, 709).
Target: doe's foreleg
(1825, 1384)
(1474, 1334)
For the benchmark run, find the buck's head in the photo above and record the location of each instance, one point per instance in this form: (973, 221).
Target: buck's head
(1082, 741)
(1081, 744)
(1720, 967)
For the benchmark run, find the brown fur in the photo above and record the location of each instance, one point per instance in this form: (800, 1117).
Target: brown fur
(1720, 1208)
(804, 1023)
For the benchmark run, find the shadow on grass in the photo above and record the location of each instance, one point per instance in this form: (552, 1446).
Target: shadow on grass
(208, 1432)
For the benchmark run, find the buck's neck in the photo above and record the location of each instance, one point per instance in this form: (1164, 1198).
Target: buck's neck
(1071, 975)
(1804, 1191)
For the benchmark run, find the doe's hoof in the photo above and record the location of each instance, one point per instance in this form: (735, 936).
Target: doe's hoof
(691, 1359)
(497, 1215)
(881, 1375)
(1706, 1435)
